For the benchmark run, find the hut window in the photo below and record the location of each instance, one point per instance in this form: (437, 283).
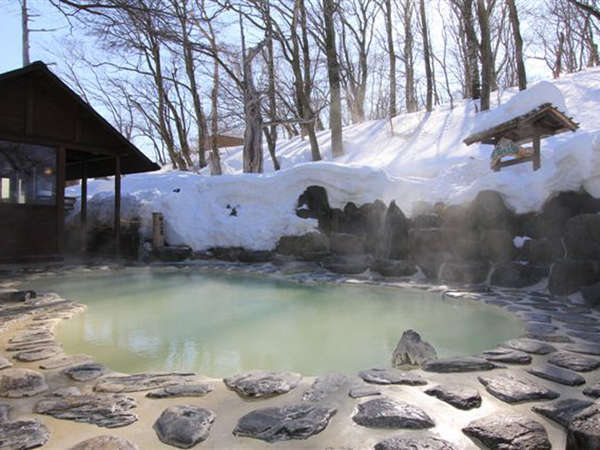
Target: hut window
(27, 174)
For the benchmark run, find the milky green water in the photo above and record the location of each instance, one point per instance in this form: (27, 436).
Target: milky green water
(221, 324)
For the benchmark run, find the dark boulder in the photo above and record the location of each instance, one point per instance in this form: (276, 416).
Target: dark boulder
(313, 200)
(427, 221)
(454, 216)
(464, 272)
(346, 244)
(582, 237)
(255, 256)
(308, 243)
(394, 268)
(348, 265)
(591, 294)
(226, 253)
(184, 426)
(508, 431)
(172, 253)
(395, 233)
(568, 276)
(560, 208)
(489, 211)
(497, 246)
(542, 251)
(384, 412)
(373, 216)
(517, 275)
(412, 350)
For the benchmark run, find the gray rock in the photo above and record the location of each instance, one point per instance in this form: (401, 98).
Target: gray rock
(86, 371)
(4, 363)
(556, 374)
(574, 362)
(23, 434)
(347, 265)
(514, 274)
(262, 384)
(30, 346)
(182, 390)
(592, 390)
(554, 338)
(465, 273)
(540, 328)
(568, 276)
(17, 296)
(412, 350)
(459, 364)
(562, 411)
(589, 337)
(143, 381)
(323, 386)
(461, 397)
(346, 244)
(364, 391)
(584, 430)
(591, 294)
(184, 426)
(505, 355)
(421, 443)
(16, 383)
(299, 245)
(299, 421)
(38, 353)
(105, 442)
(28, 337)
(529, 346)
(508, 432)
(512, 389)
(4, 412)
(64, 361)
(384, 412)
(103, 410)
(392, 376)
(394, 268)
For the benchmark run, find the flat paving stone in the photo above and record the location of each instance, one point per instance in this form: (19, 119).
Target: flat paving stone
(364, 391)
(392, 376)
(574, 361)
(103, 410)
(182, 390)
(105, 442)
(184, 426)
(562, 411)
(4, 363)
(508, 432)
(575, 318)
(23, 434)
(299, 421)
(30, 346)
(583, 432)
(589, 337)
(586, 349)
(38, 354)
(384, 412)
(529, 346)
(540, 328)
(143, 381)
(459, 364)
(461, 397)
(513, 389)
(17, 383)
(557, 374)
(507, 355)
(417, 443)
(64, 361)
(28, 337)
(4, 412)
(537, 317)
(553, 338)
(580, 327)
(258, 383)
(324, 386)
(86, 371)
(592, 390)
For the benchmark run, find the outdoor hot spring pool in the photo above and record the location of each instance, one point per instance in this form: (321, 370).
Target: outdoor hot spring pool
(220, 324)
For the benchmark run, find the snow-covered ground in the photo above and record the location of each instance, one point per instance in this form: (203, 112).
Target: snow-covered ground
(416, 157)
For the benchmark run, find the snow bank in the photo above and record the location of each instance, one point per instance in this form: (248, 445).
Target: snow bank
(415, 157)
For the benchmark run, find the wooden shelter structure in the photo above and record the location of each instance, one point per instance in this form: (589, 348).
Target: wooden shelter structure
(531, 127)
(50, 135)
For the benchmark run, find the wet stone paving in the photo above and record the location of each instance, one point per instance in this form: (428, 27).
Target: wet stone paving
(537, 391)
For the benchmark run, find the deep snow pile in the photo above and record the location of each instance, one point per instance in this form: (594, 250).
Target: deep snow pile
(416, 157)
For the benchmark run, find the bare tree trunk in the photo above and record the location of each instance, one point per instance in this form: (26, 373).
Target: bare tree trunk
(215, 158)
(514, 22)
(333, 72)
(392, 56)
(25, 31)
(271, 132)
(472, 49)
(427, 58)
(409, 64)
(487, 69)
(559, 56)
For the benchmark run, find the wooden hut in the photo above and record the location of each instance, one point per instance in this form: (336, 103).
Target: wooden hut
(49, 135)
(531, 127)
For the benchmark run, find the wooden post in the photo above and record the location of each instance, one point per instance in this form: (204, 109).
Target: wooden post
(537, 159)
(83, 210)
(60, 199)
(117, 217)
(158, 230)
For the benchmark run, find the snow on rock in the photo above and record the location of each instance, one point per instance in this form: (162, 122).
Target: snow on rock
(415, 157)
